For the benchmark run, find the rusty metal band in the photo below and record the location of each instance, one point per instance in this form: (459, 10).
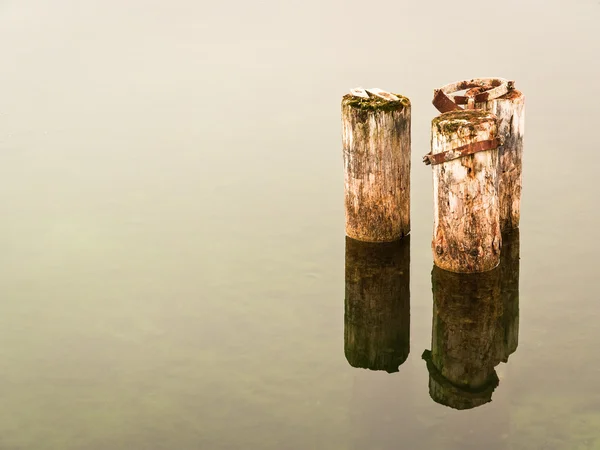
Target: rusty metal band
(494, 88)
(460, 152)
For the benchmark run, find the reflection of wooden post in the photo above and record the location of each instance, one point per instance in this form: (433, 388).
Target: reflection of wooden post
(376, 144)
(377, 304)
(464, 157)
(509, 290)
(467, 308)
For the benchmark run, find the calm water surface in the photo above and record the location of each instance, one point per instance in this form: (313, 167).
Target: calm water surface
(174, 271)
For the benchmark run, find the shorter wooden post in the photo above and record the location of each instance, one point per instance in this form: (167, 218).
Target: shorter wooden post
(377, 304)
(464, 157)
(467, 312)
(376, 148)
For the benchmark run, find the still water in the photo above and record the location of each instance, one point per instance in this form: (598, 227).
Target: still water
(174, 271)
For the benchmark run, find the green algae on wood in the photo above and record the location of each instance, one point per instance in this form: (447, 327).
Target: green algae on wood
(374, 103)
(453, 121)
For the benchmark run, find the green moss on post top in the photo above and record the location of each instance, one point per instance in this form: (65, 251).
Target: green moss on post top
(452, 121)
(374, 103)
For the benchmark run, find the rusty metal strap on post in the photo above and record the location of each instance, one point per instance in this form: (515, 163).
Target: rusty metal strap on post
(494, 88)
(465, 150)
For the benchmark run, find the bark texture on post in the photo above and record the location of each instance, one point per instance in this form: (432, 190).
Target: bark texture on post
(467, 313)
(376, 147)
(466, 235)
(377, 304)
(509, 289)
(510, 111)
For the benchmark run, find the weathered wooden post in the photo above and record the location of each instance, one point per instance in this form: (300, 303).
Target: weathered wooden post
(498, 96)
(464, 158)
(376, 147)
(377, 304)
(464, 345)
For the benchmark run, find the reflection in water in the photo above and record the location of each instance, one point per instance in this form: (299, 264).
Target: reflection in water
(509, 288)
(475, 327)
(377, 304)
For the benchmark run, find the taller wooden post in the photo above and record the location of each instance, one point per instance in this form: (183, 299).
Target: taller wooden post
(510, 111)
(464, 157)
(498, 96)
(376, 147)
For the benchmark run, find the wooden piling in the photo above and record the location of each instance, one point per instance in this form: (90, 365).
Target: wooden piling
(464, 157)
(498, 96)
(376, 149)
(467, 313)
(377, 304)
(510, 111)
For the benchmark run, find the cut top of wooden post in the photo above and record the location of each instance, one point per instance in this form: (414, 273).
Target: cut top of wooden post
(375, 99)
(487, 89)
(462, 122)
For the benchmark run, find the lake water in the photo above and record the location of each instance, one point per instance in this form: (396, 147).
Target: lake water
(174, 271)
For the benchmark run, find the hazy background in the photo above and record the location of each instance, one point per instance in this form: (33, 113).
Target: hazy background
(172, 233)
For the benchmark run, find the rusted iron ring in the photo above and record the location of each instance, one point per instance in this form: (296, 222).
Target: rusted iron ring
(494, 88)
(459, 152)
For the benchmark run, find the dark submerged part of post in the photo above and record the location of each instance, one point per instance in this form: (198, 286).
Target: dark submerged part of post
(467, 313)
(377, 304)
(376, 150)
